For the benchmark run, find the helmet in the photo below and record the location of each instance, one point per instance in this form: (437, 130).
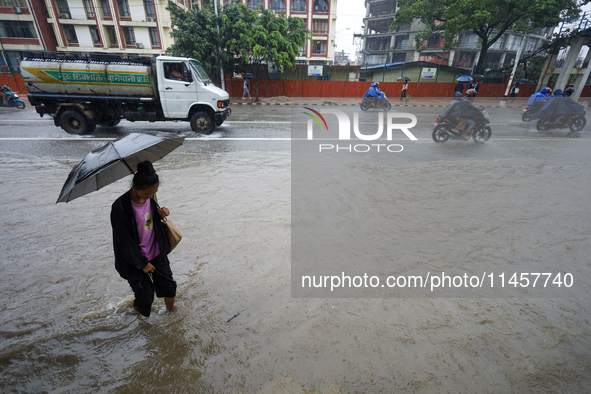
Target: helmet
(569, 91)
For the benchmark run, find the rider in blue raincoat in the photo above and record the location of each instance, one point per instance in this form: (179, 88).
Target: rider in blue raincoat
(539, 97)
(373, 91)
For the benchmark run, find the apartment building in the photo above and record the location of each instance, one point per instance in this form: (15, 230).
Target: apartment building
(320, 16)
(23, 27)
(383, 46)
(134, 27)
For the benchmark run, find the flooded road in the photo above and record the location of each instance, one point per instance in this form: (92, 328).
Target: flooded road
(67, 326)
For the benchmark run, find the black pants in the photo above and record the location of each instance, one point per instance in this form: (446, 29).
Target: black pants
(160, 282)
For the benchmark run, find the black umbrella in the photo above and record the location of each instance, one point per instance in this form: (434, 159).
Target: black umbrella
(116, 160)
(247, 76)
(404, 79)
(477, 77)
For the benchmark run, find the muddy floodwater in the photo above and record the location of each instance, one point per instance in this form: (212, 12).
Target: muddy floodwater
(66, 325)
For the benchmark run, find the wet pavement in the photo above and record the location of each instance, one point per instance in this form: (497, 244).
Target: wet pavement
(519, 201)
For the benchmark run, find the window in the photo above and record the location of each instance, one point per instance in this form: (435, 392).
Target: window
(470, 41)
(530, 46)
(112, 36)
(277, 5)
(123, 7)
(378, 44)
(96, 39)
(514, 42)
(401, 42)
(88, 8)
(149, 6)
(498, 43)
(320, 26)
(106, 9)
(320, 6)
(129, 35)
(253, 4)
(17, 29)
(154, 38)
(319, 48)
(176, 71)
(70, 33)
(14, 3)
(299, 5)
(63, 9)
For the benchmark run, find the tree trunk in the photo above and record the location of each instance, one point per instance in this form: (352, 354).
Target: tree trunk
(479, 69)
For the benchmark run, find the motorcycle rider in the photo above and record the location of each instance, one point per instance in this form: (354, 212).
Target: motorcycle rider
(4, 88)
(374, 91)
(539, 97)
(462, 110)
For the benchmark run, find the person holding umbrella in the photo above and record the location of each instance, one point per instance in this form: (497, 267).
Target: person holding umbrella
(140, 242)
(404, 89)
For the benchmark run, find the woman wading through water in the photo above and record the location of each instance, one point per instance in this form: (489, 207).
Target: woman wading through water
(140, 243)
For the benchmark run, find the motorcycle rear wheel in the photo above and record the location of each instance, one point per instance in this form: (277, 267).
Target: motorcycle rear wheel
(577, 123)
(481, 134)
(440, 133)
(387, 106)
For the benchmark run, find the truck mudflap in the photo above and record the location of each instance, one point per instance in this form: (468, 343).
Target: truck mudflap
(221, 116)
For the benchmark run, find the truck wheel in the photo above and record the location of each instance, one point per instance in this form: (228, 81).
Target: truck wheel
(76, 123)
(201, 122)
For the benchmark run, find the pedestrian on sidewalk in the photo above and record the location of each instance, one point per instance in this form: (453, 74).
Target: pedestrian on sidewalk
(459, 88)
(404, 89)
(514, 92)
(246, 91)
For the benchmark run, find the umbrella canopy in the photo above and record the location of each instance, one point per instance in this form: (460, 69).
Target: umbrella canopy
(404, 79)
(116, 160)
(247, 76)
(477, 77)
(465, 78)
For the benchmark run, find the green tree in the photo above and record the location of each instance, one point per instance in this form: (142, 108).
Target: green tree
(272, 38)
(488, 19)
(195, 35)
(246, 39)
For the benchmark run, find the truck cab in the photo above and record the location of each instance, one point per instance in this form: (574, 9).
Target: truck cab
(187, 93)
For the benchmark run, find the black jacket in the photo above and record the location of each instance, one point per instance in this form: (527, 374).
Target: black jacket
(129, 260)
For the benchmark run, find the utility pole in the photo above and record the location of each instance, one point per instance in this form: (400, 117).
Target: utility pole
(517, 57)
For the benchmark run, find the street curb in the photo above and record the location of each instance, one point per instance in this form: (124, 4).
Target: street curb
(356, 104)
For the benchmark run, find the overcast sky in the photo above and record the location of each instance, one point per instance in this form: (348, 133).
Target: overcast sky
(350, 15)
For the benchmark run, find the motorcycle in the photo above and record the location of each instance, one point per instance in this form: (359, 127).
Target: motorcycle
(572, 122)
(529, 111)
(12, 100)
(374, 102)
(442, 131)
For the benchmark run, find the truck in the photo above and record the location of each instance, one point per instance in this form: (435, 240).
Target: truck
(81, 92)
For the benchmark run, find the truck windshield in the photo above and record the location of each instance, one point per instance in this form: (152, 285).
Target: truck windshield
(200, 71)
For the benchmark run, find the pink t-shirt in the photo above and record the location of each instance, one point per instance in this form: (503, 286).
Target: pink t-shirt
(145, 229)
